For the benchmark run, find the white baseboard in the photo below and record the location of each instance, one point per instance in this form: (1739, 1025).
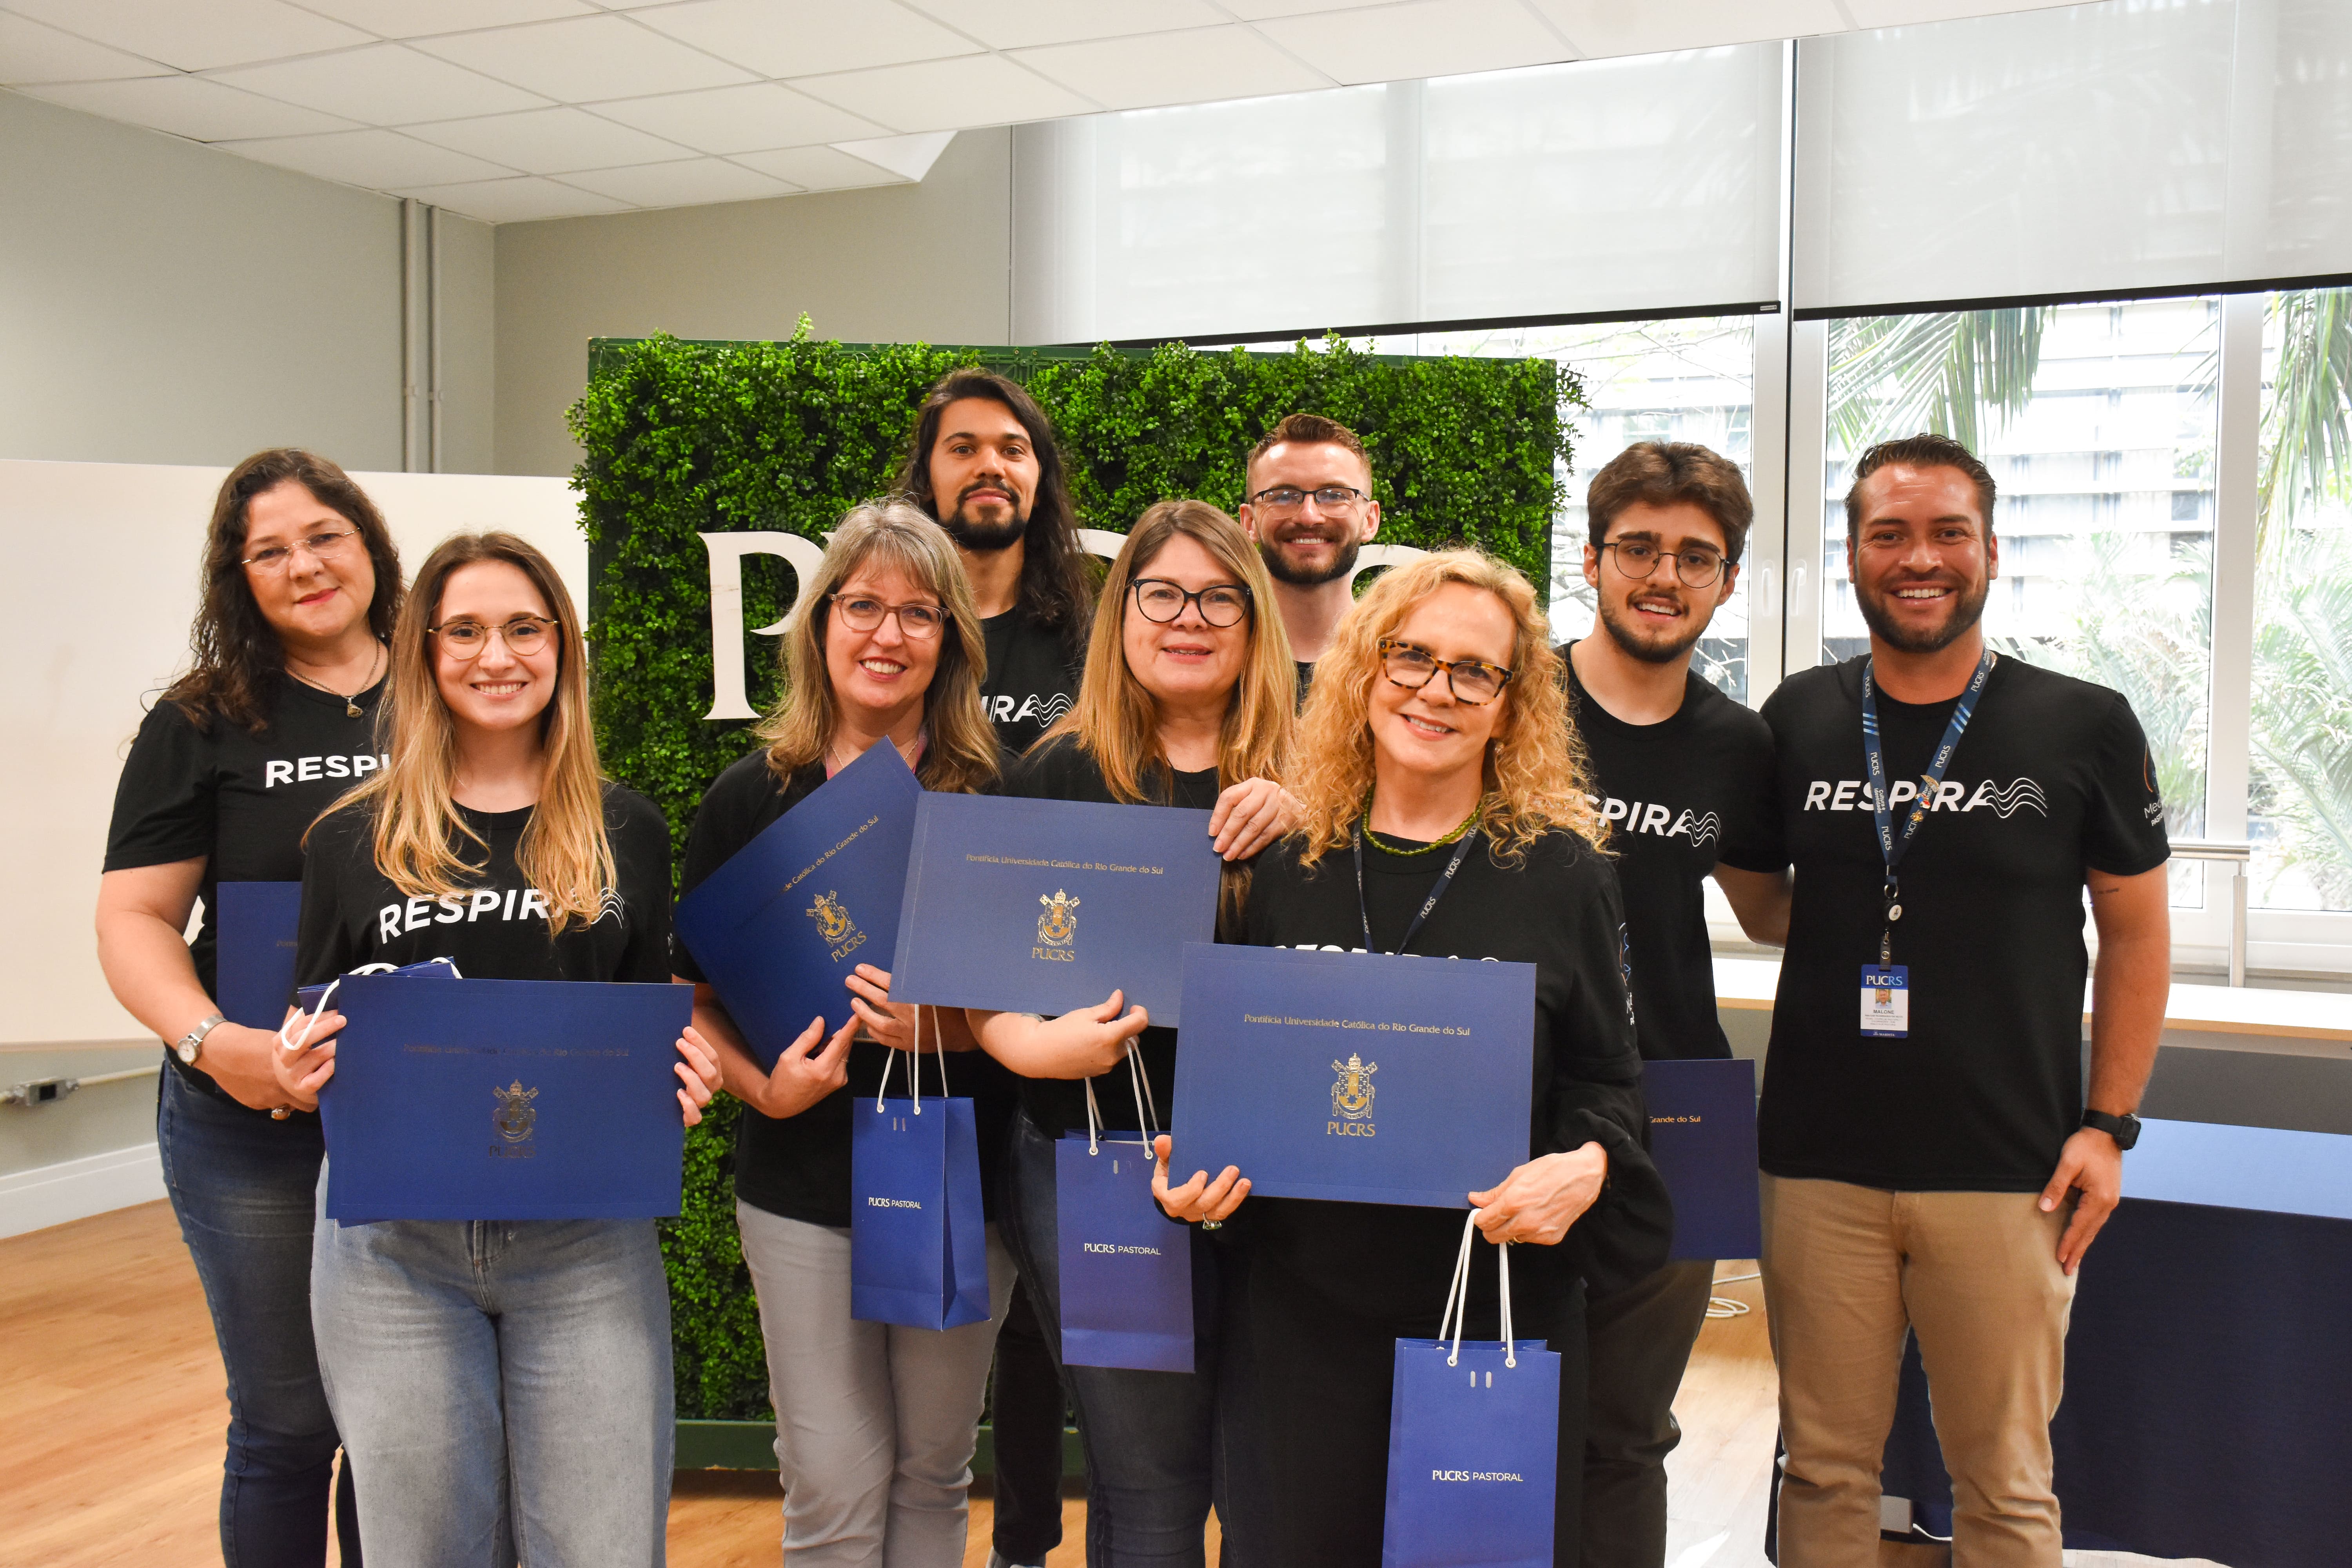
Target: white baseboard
(75, 1189)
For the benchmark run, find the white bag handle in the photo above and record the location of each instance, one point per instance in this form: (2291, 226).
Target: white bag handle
(1141, 1082)
(1457, 1297)
(914, 1072)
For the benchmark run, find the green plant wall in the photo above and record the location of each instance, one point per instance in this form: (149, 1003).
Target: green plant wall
(684, 438)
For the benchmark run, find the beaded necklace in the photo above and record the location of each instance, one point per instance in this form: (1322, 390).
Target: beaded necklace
(1377, 843)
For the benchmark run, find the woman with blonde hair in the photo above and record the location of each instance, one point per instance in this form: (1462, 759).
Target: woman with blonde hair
(1186, 700)
(503, 1386)
(874, 1422)
(1442, 813)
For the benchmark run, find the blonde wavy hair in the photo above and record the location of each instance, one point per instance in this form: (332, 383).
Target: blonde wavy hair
(1536, 773)
(1117, 722)
(960, 745)
(565, 852)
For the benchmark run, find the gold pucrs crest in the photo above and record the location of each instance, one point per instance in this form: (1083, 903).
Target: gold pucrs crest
(1351, 1095)
(830, 918)
(1058, 926)
(514, 1117)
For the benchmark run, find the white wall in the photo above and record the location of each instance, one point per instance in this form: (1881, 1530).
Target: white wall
(94, 616)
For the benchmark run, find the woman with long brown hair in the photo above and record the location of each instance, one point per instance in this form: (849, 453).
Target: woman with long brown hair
(505, 1385)
(875, 1422)
(1443, 813)
(274, 718)
(1187, 701)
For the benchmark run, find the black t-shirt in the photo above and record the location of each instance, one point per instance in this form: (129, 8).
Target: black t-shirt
(1558, 910)
(1031, 681)
(240, 800)
(1063, 770)
(351, 913)
(2052, 775)
(798, 1167)
(1305, 680)
(1679, 794)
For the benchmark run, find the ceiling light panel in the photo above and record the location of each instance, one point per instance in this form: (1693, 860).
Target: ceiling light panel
(1020, 24)
(31, 51)
(804, 38)
(747, 118)
(949, 95)
(586, 58)
(195, 37)
(1607, 27)
(383, 84)
(1199, 67)
(189, 106)
(515, 201)
(379, 160)
(420, 18)
(682, 185)
(1432, 38)
(549, 141)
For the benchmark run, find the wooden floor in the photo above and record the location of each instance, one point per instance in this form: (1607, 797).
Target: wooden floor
(112, 1413)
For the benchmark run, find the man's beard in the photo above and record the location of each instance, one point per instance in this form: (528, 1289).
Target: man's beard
(1967, 610)
(1649, 650)
(1282, 570)
(985, 537)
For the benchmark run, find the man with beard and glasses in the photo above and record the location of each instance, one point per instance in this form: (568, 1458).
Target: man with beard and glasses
(1308, 504)
(1676, 768)
(1933, 1163)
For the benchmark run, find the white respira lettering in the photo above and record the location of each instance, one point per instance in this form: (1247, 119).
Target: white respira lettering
(387, 922)
(338, 767)
(364, 764)
(1843, 800)
(1904, 789)
(1612, 810)
(275, 774)
(1655, 820)
(534, 902)
(1948, 794)
(1816, 795)
(306, 769)
(453, 908)
(486, 898)
(420, 913)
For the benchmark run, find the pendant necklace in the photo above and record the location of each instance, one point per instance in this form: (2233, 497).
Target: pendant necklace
(352, 708)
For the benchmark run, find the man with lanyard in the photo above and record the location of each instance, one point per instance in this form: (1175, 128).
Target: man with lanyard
(1933, 1163)
(1677, 769)
(1308, 501)
(984, 461)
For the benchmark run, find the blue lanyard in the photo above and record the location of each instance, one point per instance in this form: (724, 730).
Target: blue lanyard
(1891, 843)
(1445, 880)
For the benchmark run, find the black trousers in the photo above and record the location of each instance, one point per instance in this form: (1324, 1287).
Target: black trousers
(1641, 1341)
(1026, 1410)
(1305, 1406)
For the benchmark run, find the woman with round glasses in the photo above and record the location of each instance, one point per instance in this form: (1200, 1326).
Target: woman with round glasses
(874, 1422)
(1434, 740)
(273, 718)
(1186, 701)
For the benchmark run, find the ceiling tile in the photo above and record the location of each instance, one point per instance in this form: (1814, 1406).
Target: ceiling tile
(586, 58)
(1874, 14)
(1199, 67)
(1258, 10)
(681, 184)
(822, 169)
(1605, 28)
(515, 201)
(804, 37)
(189, 106)
(379, 160)
(195, 37)
(550, 140)
(31, 52)
(912, 156)
(1431, 37)
(1020, 24)
(383, 84)
(416, 18)
(739, 119)
(948, 95)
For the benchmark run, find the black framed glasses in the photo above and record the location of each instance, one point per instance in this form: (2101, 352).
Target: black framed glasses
(327, 545)
(921, 622)
(1290, 498)
(1221, 604)
(523, 635)
(1474, 681)
(1695, 567)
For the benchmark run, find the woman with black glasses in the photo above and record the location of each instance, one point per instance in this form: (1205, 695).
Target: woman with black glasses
(1437, 726)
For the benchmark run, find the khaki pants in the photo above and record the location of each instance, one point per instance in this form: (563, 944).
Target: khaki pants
(1975, 1275)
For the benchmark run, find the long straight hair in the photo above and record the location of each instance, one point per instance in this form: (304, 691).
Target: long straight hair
(960, 745)
(1117, 722)
(565, 852)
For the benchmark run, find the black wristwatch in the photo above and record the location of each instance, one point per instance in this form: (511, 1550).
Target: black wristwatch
(2124, 1129)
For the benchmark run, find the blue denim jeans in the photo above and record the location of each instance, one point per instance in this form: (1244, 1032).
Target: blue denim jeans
(503, 1386)
(244, 1188)
(1151, 1460)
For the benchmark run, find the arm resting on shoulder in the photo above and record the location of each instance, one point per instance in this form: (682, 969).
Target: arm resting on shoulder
(1760, 899)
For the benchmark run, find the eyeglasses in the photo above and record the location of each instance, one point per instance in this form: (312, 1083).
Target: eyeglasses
(1221, 603)
(524, 636)
(1640, 558)
(326, 544)
(921, 622)
(1473, 682)
(1290, 498)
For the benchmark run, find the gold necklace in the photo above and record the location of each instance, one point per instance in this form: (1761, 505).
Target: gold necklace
(351, 699)
(1378, 843)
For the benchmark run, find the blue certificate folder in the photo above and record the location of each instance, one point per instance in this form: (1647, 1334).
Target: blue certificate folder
(1366, 1077)
(1703, 1140)
(504, 1099)
(1041, 906)
(254, 924)
(794, 912)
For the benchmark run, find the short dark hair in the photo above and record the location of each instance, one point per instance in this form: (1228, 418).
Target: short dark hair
(1056, 586)
(1665, 473)
(1306, 430)
(1925, 450)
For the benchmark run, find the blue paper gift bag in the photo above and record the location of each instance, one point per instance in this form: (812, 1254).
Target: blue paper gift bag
(1474, 1446)
(1126, 1268)
(917, 1239)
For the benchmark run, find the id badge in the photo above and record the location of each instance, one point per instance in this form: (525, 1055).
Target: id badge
(1886, 1000)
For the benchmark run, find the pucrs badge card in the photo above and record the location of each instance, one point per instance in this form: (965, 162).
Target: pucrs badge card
(1887, 1001)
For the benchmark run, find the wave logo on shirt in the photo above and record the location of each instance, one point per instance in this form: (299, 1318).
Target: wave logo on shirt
(1351, 1097)
(1058, 928)
(1001, 709)
(2003, 800)
(833, 923)
(514, 1120)
(610, 906)
(1702, 830)
(2021, 794)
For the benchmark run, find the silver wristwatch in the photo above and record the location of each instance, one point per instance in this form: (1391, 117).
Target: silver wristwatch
(191, 1043)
